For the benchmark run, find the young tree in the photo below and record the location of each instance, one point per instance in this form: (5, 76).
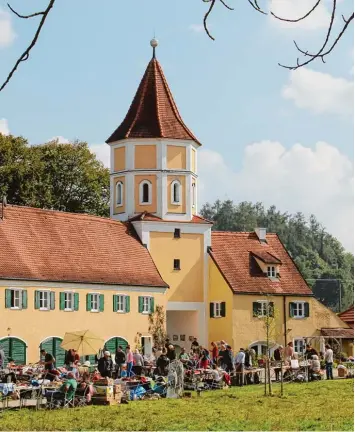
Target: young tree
(157, 326)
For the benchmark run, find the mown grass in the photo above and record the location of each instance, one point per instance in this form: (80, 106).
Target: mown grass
(309, 406)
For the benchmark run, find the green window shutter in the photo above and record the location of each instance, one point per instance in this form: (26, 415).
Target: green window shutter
(152, 309)
(128, 304)
(52, 300)
(140, 304)
(115, 303)
(223, 309)
(256, 309)
(102, 303)
(76, 301)
(7, 298)
(24, 299)
(36, 299)
(61, 301)
(211, 310)
(306, 309)
(292, 309)
(88, 302)
(271, 309)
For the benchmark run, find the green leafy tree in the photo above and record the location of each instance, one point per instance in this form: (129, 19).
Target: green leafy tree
(65, 177)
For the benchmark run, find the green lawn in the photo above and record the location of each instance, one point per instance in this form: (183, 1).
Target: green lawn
(308, 406)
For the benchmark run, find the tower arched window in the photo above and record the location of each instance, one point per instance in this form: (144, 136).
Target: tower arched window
(119, 193)
(145, 192)
(176, 192)
(193, 194)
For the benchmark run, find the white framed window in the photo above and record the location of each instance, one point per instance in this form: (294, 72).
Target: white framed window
(121, 303)
(119, 193)
(271, 271)
(176, 192)
(262, 308)
(217, 312)
(145, 192)
(299, 310)
(16, 299)
(95, 302)
(68, 301)
(298, 346)
(146, 304)
(44, 300)
(193, 188)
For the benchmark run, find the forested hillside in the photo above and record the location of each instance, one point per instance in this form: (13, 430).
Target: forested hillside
(317, 253)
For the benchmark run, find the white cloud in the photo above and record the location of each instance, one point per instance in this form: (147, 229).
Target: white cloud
(320, 92)
(7, 33)
(102, 152)
(4, 127)
(197, 28)
(315, 180)
(294, 9)
(61, 139)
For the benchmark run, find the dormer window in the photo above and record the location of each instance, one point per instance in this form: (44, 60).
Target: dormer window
(176, 192)
(271, 271)
(145, 192)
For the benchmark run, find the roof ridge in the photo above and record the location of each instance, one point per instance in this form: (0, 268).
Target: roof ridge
(156, 69)
(62, 213)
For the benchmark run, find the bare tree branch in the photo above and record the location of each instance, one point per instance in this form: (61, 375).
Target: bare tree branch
(212, 5)
(26, 53)
(298, 19)
(25, 16)
(255, 5)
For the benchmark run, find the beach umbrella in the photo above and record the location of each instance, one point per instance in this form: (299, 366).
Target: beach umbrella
(85, 342)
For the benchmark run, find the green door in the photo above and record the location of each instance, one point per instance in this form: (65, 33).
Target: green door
(14, 349)
(52, 346)
(113, 343)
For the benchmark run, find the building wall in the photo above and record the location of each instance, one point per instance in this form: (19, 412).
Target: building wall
(173, 208)
(176, 157)
(219, 291)
(182, 323)
(151, 208)
(33, 326)
(120, 209)
(243, 329)
(119, 159)
(145, 156)
(186, 285)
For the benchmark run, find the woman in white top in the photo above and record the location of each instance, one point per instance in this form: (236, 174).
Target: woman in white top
(315, 364)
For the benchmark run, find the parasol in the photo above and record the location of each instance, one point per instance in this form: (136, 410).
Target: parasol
(85, 342)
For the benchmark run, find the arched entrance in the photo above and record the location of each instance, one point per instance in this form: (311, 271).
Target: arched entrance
(52, 346)
(113, 343)
(260, 347)
(14, 349)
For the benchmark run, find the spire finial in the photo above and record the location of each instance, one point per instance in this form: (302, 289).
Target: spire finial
(154, 44)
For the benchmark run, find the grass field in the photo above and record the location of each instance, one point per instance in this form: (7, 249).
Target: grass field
(310, 406)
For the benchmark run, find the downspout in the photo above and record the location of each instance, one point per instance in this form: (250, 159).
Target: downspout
(285, 327)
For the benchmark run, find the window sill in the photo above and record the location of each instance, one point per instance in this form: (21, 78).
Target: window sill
(44, 309)
(121, 312)
(145, 203)
(217, 317)
(299, 317)
(15, 308)
(145, 313)
(176, 203)
(68, 310)
(94, 311)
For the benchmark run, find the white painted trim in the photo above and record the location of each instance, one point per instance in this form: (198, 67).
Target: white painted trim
(159, 194)
(86, 286)
(141, 185)
(184, 306)
(130, 194)
(14, 337)
(119, 184)
(207, 241)
(148, 141)
(129, 157)
(142, 226)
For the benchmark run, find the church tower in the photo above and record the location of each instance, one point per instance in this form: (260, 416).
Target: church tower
(154, 186)
(153, 155)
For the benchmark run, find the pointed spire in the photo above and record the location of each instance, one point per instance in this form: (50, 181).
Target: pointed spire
(153, 112)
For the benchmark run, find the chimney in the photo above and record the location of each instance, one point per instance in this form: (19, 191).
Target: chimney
(261, 233)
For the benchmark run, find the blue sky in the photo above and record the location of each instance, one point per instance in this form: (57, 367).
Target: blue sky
(268, 134)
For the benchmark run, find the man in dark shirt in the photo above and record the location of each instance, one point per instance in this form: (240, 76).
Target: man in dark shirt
(120, 359)
(105, 365)
(277, 357)
(195, 346)
(49, 360)
(310, 351)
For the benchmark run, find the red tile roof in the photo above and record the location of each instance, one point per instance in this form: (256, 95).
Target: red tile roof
(347, 333)
(266, 257)
(231, 251)
(153, 112)
(47, 245)
(348, 315)
(145, 216)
